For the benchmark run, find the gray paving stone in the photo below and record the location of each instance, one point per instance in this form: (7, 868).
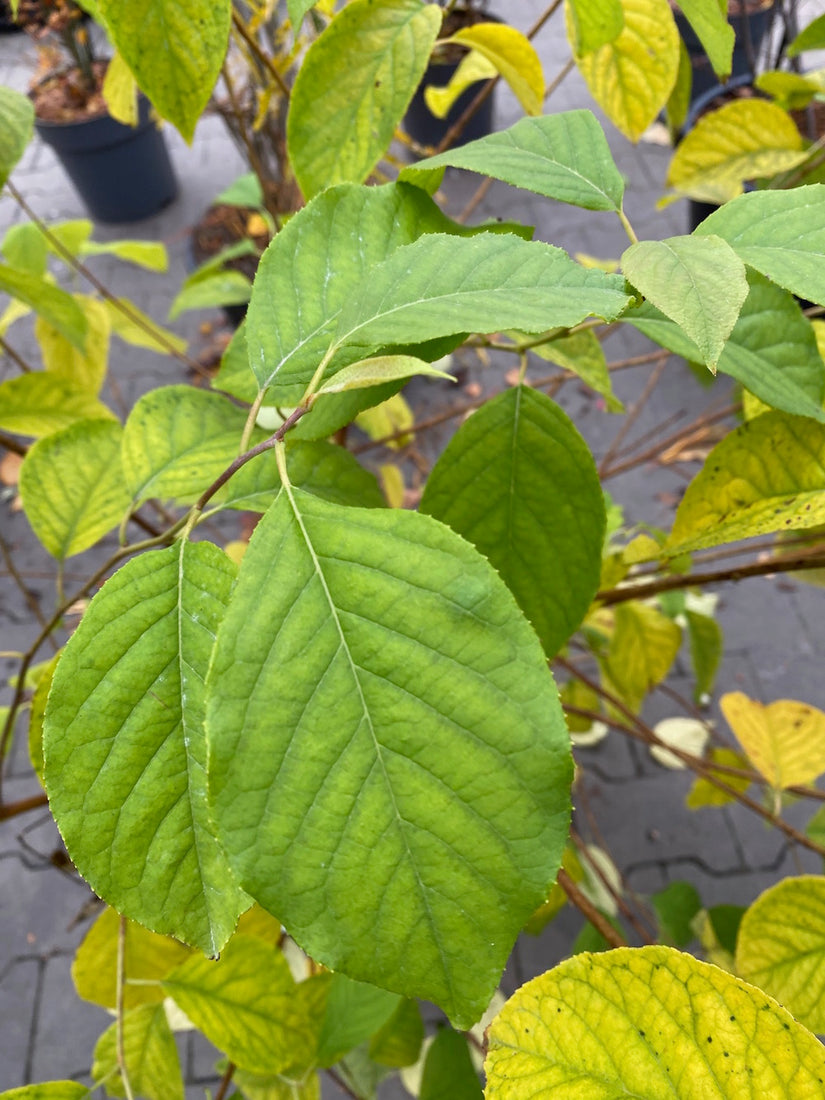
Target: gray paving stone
(59, 1050)
(18, 991)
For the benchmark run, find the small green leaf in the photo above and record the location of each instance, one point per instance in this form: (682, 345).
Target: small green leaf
(448, 1069)
(369, 606)
(518, 481)
(174, 48)
(246, 190)
(708, 20)
(811, 37)
(648, 1022)
(141, 331)
(384, 368)
(699, 282)
(595, 23)
(398, 1042)
(678, 103)
(675, 908)
(643, 646)
(124, 729)
(40, 402)
(151, 255)
(48, 301)
(48, 1090)
(706, 646)
(766, 475)
(16, 129)
(353, 87)
(781, 947)
(514, 58)
(582, 353)
(564, 157)
(72, 486)
(149, 1053)
(210, 291)
(354, 1012)
(297, 10)
(84, 369)
(38, 710)
(25, 248)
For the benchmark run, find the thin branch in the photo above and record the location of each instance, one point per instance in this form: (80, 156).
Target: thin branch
(589, 910)
(15, 356)
(622, 905)
(265, 60)
(12, 809)
(13, 445)
(705, 420)
(635, 412)
(223, 1087)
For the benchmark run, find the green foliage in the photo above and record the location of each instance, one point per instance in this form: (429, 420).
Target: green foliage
(16, 129)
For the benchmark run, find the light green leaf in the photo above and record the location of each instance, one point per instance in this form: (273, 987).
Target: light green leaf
(632, 76)
(120, 91)
(353, 87)
(147, 958)
(72, 486)
(398, 1042)
(141, 331)
(564, 157)
(744, 140)
(354, 1012)
(248, 1004)
(84, 369)
(518, 481)
(781, 947)
(151, 255)
(792, 91)
(448, 1069)
(297, 10)
(16, 129)
(40, 402)
(47, 300)
(48, 1090)
(38, 710)
(384, 368)
(705, 793)
(277, 1086)
(149, 1053)
(706, 646)
(215, 288)
(124, 729)
(25, 248)
(772, 350)
(811, 37)
(174, 48)
(595, 23)
(582, 353)
(513, 56)
(699, 282)
(766, 475)
(785, 741)
(648, 1022)
(678, 102)
(246, 190)
(370, 607)
(72, 235)
(708, 19)
(675, 908)
(780, 233)
(642, 648)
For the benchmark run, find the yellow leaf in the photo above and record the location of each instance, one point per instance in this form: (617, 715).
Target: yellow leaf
(473, 68)
(643, 646)
(83, 370)
(392, 482)
(785, 741)
(120, 92)
(513, 56)
(392, 415)
(745, 140)
(705, 793)
(632, 77)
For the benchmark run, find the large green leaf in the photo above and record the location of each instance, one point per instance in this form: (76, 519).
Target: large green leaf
(149, 1052)
(354, 85)
(781, 947)
(385, 707)
(780, 233)
(448, 1069)
(699, 282)
(16, 129)
(582, 353)
(765, 476)
(772, 350)
(595, 23)
(563, 156)
(48, 301)
(248, 1004)
(72, 486)
(648, 1022)
(707, 17)
(125, 748)
(41, 402)
(175, 48)
(519, 482)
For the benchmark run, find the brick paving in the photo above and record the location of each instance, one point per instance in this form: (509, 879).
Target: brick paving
(774, 628)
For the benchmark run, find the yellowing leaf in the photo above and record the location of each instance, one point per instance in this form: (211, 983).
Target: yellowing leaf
(393, 415)
(120, 91)
(642, 649)
(785, 741)
(781, 947)
(149, 1052)
(632, 77)
(705, 793)
(745, 140)
(513, 55)
(473, 68)
(81, 369)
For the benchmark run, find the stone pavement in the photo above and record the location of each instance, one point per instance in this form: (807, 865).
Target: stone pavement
(774, 628)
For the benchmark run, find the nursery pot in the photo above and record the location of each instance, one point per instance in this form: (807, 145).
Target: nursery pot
(750, 21)
(7, 23)
(122, 173)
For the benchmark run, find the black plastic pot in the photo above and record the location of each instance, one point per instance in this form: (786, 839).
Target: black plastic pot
(7, 23)
(750, 30)
(122, 173)
(423, 126)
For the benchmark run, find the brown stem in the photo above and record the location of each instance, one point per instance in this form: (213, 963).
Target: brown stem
(622, 905)
(12, 809)
(266, 61)
(589, 910)
(13, 445)
(705, 420)
(635, 412)
(15, 356)
(223, 1087)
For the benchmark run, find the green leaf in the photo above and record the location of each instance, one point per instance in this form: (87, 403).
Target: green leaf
(214, 289)
(125, 747)
(48, 301)
(353, 87)
(448, 1069)
(706, 646)
(354, 1012)
(582, 353)
(247, 1004)
(631, 76)
(38, 710)
(678, 102)
(595, 23)
(811, 37)
(149, 1053)
(725, 921)
(175, 49)
(16, 129)
(744, 140)
(780, 233)
(84, 369)
(48, 1090)
(151, 255)
(705, 793)
(781, 947)
(147, 958)
(384, 368)
(648, 1022)
(24, 246)
(297, 10)
(675, 908)
(642, 648)
(772, 350)
(246, 190)
(141, 331)
(513, 56)
(766, 475)
(276, 1086)
(40, 402)
(564, 157)
(398, 1042)
(370, 607)
(784, 741)
(699, 282)
(815, 828)
(72, 486)
(708, 19)
(518, 481)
